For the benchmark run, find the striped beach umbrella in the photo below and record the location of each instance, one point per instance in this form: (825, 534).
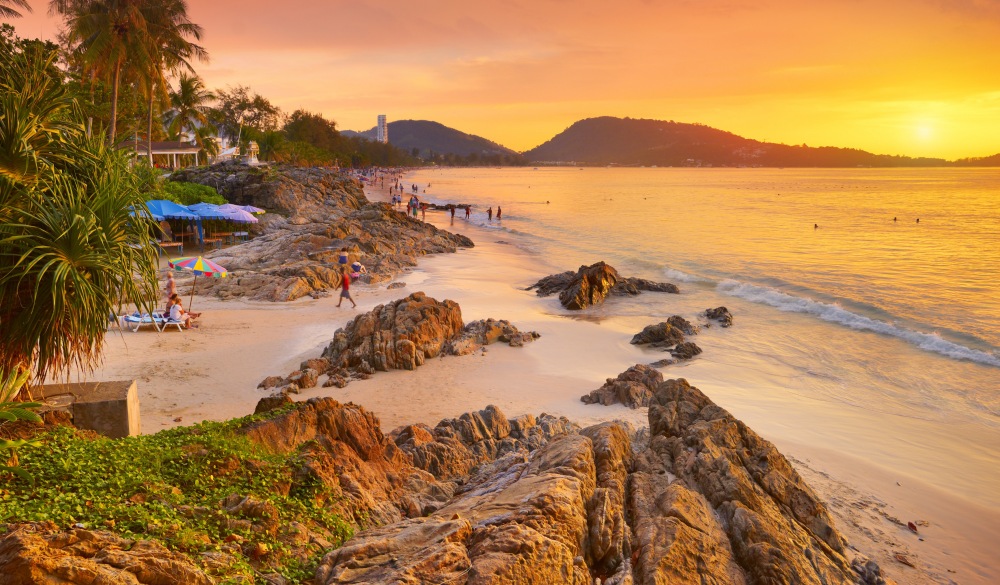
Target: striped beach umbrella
(200, 267)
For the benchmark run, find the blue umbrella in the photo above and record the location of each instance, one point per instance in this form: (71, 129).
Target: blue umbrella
(208, 211)
(237, 214)
(169, 210)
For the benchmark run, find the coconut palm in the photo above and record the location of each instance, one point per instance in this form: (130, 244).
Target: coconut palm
(169, 30)
(70, 249)
(7, 8)
(189, 105)
(107, 34)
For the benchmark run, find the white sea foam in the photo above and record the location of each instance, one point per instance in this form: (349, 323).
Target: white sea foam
(679, 276)
(837, 314)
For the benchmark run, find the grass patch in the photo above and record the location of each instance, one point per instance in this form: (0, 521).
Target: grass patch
(175, 486)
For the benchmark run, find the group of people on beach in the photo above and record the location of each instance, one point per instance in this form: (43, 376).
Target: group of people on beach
(175, 305)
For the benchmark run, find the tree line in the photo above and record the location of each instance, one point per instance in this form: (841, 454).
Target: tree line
(130, 64)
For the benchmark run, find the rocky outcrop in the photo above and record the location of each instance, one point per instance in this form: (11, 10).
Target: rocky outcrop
(317, 212)
(455, 446)
(408, 474)
(720, 314)
(481, 333)
(400, 335)
(669, 335)
(705, 500)
(42, 553)
(590, 285)
(697, 498)
(685, 350)
(634, 388)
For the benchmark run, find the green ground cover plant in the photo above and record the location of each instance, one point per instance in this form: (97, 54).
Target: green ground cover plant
(174, 487)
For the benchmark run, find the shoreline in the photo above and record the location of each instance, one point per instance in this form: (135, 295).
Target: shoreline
(258, 339)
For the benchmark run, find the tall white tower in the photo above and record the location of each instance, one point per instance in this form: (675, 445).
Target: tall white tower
(382, 134)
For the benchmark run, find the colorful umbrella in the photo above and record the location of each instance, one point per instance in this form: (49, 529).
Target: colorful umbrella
(200, 267)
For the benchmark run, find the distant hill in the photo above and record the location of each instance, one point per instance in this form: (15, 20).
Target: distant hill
(637, 142)
(434, 138)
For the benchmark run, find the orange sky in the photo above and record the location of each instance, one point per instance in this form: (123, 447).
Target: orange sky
(913, 77)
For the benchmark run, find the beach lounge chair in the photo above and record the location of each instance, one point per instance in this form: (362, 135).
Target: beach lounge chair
(135, 321)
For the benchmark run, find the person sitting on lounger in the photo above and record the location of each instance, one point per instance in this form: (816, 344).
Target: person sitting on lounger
(177, 312)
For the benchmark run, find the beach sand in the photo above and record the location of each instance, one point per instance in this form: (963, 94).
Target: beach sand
(211, 373)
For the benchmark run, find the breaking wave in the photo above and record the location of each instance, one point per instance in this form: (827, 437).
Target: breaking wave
(837, 314)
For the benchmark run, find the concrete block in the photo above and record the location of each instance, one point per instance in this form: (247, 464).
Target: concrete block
(109, 408)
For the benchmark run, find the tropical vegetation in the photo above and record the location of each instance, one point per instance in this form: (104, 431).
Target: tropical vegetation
(71, 250)
(173, 486)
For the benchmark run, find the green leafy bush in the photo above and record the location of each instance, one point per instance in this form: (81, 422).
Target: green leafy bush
(191, 193)
(169, 486)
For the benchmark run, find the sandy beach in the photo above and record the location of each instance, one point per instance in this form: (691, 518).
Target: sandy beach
(212, 372)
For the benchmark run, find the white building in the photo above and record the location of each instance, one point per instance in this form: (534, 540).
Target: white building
(382, 133)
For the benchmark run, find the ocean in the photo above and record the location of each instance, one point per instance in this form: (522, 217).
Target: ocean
(857, 327)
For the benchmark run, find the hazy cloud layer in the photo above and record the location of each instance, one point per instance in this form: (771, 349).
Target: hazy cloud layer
(891, 76)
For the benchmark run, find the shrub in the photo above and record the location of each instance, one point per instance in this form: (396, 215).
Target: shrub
(191, 193)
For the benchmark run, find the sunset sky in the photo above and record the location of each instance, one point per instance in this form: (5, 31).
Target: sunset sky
(912, 77)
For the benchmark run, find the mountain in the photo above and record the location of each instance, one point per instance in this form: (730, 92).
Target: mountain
(434, 138)
(635, 142)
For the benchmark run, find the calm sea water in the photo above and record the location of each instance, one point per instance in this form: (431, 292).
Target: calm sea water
(752, 233)
(842, 248)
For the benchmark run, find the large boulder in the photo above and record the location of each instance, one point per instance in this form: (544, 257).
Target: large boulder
(590, 285)
(399, 335)
(634, 388)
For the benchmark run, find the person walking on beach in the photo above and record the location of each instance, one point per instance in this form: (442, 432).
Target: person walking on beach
(453, 214)
(489, 214)
(345, 286)
(499, 212)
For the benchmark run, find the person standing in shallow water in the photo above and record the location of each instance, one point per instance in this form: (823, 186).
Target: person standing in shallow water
(345, 286)
(499, 213)
(489, 214)
(468, 211)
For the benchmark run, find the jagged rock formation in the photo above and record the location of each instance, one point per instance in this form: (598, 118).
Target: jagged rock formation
(400, 335)
(669, 334)
(486, 331)
(590, 285)
(317, 212)
(720, 314)
(706, 501)
(40, 552)
(699, 498)
(634, 388)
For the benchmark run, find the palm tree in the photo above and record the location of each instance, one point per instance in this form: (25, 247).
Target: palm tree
(189, 105)
(107, 34)
(169, 30)
(7, 8)
(70, 249)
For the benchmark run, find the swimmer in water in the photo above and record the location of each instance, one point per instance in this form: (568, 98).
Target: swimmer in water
(815, 226)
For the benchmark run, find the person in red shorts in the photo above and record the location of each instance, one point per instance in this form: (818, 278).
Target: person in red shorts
(345, 285)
